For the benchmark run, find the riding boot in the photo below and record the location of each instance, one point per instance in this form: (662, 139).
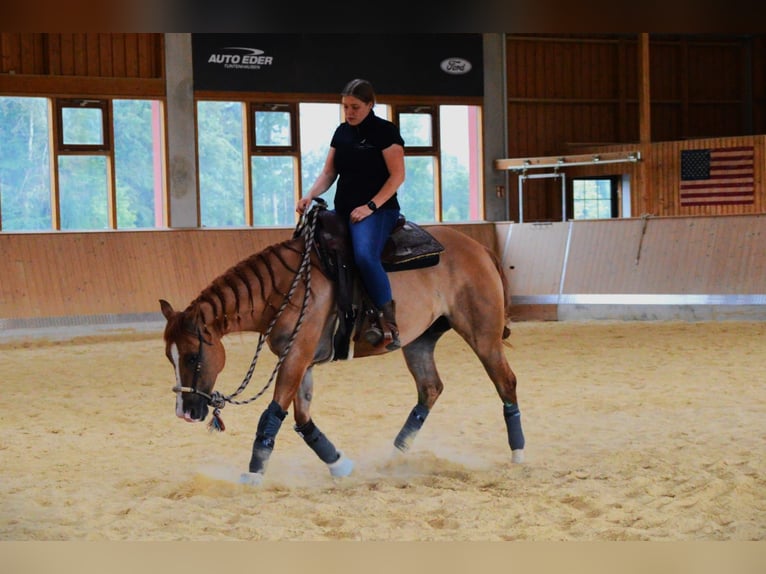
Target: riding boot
(383, 328)
(389, 316)
(374, 333)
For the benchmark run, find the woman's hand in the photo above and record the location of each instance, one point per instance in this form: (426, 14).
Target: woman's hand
(360, 213)
(303, 204)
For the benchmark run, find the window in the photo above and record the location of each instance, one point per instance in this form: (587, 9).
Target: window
(84, 125)
(460, 132)
(317, 124)
(221, 151)
(442, 159)
(274, 163)
(595, 198)
(105, 170)
(25, 164)
(83, 148)
(419, 195)
(90, 164)
(286, 145)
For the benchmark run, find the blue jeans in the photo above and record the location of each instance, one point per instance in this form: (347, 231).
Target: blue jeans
(368, 238)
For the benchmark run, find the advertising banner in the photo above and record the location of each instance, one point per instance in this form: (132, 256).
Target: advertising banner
(401, 64)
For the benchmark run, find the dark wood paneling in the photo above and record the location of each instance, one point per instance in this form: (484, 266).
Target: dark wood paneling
(661, 166)
(90, 55)
(570, 92)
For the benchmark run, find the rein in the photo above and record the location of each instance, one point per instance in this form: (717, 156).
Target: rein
(307, 228)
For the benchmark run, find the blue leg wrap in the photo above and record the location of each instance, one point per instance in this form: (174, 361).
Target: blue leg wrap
(513, 424)
(411, 427)
(266, 435)
(318, 442)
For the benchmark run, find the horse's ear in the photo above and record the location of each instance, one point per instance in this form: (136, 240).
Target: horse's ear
(167, 309)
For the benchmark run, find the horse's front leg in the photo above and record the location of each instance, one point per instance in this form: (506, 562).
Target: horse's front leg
(263, 445)
(316, 440)
(285, 390)
(271, 420)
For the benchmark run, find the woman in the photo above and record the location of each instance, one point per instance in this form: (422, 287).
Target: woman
(367, 156)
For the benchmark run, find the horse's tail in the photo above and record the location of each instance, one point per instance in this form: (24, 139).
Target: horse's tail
(506, 293)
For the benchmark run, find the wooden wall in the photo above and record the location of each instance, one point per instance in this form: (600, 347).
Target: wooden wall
(567, 90)
(95, 64)
(655, 180)
(81, 276)
(569, 93)
(62, 274)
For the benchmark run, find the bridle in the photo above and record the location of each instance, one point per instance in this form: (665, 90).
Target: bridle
(216, 399)
(306, 227)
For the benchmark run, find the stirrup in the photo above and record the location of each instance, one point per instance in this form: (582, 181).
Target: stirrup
(374, 334)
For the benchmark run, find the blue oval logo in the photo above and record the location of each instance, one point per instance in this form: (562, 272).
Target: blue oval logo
(455, 66)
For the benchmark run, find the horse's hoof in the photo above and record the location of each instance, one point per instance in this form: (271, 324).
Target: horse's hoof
(517, 455)
(251, 478)
(341, 467)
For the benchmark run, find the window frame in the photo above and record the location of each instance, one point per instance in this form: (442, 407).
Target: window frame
(105, 149)
(433, 151)
(426, 109)
(103, 104)
(615, 182)
(253, 107)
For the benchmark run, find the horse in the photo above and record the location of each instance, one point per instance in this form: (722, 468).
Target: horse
(285, 294)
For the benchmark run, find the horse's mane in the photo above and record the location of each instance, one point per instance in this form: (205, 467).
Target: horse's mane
(256, 275)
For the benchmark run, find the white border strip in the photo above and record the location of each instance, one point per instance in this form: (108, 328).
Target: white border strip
(638, 299)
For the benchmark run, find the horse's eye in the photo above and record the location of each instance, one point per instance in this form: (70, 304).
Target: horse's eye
(191, 360)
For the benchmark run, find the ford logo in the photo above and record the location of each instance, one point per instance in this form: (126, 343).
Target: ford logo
(455, 66)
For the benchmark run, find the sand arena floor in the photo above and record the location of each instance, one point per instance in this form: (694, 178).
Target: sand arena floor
(635, 431)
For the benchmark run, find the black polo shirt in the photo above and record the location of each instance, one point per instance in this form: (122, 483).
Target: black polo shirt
(359, 161)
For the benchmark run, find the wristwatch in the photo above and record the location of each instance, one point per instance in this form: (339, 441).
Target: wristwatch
(372, 206)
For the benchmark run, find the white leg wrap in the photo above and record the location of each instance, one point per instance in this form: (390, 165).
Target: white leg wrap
(251, 478)
(341, 467)
(517, 455)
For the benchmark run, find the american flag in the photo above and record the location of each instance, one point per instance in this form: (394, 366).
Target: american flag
(717, 176)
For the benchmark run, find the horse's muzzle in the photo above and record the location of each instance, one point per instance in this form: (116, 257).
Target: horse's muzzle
(192, 409)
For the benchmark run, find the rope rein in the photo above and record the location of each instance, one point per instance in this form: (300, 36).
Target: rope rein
(307, 228)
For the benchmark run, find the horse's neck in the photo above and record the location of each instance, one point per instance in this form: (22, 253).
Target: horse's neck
(246, 296)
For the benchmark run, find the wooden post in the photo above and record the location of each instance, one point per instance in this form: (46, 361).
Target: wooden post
(644, 98)
(644, 124)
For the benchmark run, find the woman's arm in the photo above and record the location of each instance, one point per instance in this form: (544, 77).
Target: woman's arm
(394, 158)
(322, 183)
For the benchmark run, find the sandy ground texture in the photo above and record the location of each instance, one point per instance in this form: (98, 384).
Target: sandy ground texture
(635, 431)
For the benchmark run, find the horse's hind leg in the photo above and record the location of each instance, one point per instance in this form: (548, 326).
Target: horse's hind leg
(477, 321)
(336, 462)
(419, 356)
(493, 359)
